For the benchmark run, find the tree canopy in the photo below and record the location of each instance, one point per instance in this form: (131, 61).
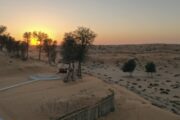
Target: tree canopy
(75, 45)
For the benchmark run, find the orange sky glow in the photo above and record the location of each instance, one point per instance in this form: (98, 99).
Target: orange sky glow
(114, 21)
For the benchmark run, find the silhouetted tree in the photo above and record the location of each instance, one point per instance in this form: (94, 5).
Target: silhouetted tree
(53, 52)
(27, 37)
(68, 52)
(84, 37)
(2, 36)
(17, 48)
(9, 44)
(13, 47)
(129, 66)
(23, 48)
(49, 46)
(3, 40)
(40, 37)
(150, 68)
(2, 29)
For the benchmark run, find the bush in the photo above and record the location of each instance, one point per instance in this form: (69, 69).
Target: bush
(150, 68)
(129, 66)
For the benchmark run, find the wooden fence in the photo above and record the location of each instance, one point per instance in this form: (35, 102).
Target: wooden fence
(101, 108)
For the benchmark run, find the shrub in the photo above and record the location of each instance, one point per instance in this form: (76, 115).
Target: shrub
(150, 68)
(129, 66)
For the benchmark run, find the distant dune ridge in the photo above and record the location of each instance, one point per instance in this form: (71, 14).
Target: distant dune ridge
(133, 96)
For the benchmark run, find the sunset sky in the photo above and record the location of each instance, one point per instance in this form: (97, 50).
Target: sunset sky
(115, 21)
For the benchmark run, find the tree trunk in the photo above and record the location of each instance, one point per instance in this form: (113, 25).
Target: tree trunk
(151, 75)
(1, 48)
(68, 73)
(27, 49)
(79, 70)
(130, 74)
(49, 57)
(72, 76)
(40, 53)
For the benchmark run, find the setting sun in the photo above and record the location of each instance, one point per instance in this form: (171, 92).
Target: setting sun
(39, 28)
(34, 41)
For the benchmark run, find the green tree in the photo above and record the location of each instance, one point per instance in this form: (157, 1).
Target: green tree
(84, 37)
(27, 37)
(150, 67)
(68, 53)
(40, 37)
(129, 66)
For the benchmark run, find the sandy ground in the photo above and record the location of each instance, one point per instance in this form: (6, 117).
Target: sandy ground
(163, 90)
(43, 99)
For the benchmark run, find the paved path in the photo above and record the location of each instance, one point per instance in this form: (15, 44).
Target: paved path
(34, 78)
(17, 85)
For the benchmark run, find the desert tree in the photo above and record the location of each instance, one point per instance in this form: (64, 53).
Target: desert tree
(6, 42)
(13, 47)
(2, 36)
(2, 29)
(150, 67)
(3, 41)
(53, 52)
(68, 53)
(40, 36)
(49, 46)
(17, 48)
(129, 66)
(27, 37)
(9, 44)
(84, 38)
(23, 48)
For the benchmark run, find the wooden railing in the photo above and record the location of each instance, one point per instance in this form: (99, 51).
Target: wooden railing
(101, 108)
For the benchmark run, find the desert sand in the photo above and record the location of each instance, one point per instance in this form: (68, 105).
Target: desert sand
(41, 100)
(163, 90)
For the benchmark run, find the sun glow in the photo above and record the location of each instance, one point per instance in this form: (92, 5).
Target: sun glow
(41, 28)
(50, 31)
(34, 41)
